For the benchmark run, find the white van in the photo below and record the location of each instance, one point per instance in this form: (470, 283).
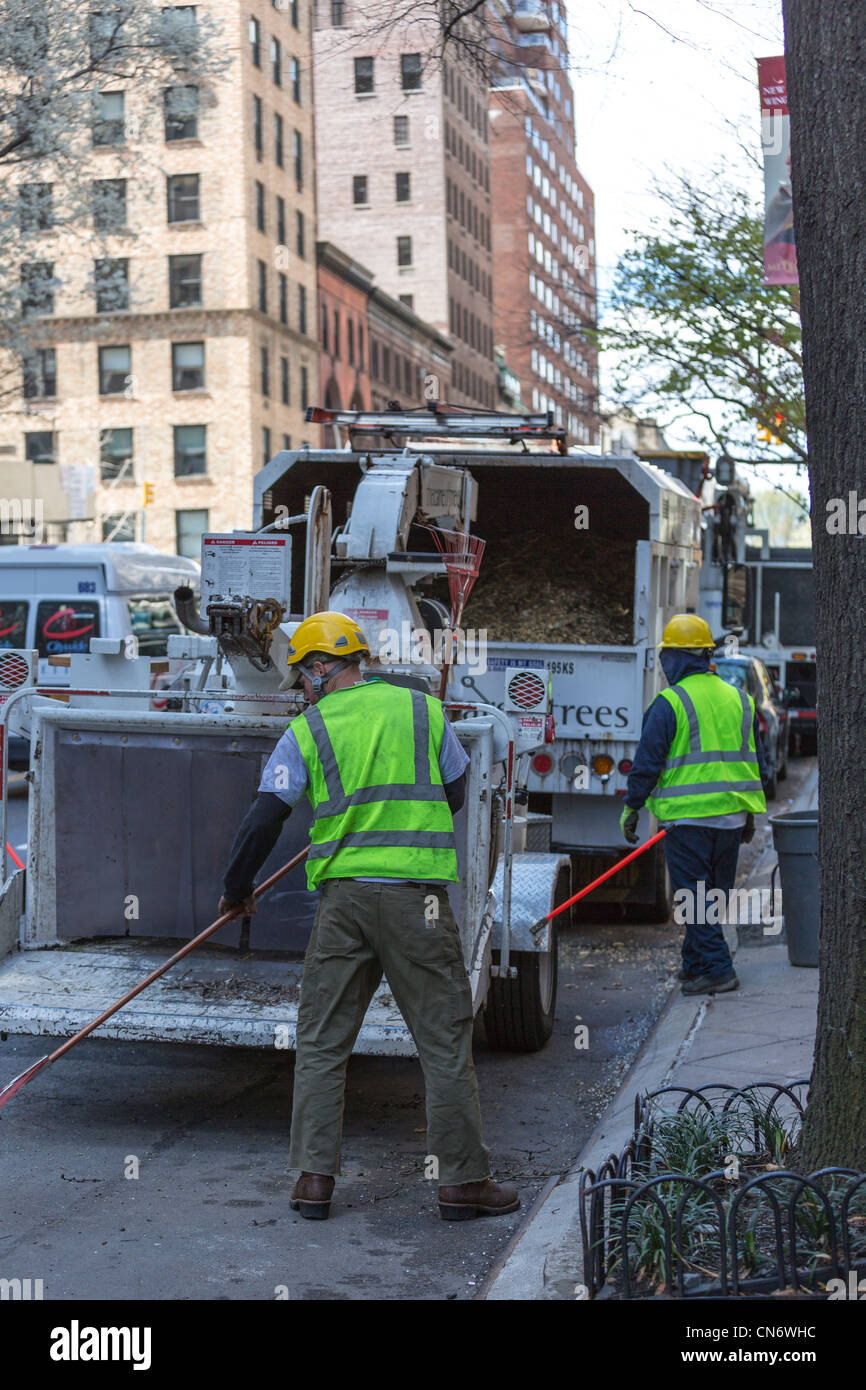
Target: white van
(55, 598)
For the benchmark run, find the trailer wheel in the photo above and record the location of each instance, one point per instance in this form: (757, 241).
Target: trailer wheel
(519, 1014)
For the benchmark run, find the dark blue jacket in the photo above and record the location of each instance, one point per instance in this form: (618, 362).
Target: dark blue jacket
(660, 726)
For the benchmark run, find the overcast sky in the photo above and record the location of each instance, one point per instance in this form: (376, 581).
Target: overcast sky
(664, 85)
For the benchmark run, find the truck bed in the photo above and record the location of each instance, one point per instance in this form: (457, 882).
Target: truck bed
(215, 997)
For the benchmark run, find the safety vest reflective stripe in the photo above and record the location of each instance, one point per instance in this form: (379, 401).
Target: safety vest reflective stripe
(420, 839)
(700, 788)
(696, 754)
(422, 789)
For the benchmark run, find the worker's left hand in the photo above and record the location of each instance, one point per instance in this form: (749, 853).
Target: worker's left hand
(246, 908)
(628, 825)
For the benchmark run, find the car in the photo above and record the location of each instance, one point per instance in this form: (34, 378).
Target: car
(750, 674)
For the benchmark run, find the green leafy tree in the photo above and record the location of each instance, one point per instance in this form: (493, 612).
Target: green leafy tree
(692, 328)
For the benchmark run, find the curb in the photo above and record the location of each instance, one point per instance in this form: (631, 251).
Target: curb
(544, 1258)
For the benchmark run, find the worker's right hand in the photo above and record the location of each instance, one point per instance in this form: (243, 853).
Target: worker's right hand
(628, 825)
(246, 908)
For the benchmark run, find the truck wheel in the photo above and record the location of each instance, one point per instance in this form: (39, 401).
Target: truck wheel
(519, 1014)
(659, 910)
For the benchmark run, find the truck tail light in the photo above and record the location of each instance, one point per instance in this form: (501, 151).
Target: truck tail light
(603, 765)
(542, 764)
(625, 766)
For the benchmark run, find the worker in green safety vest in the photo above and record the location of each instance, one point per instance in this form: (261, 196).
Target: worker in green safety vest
(385, 775)
(700, 769)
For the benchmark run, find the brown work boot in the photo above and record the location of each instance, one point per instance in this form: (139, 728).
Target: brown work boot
(311, 1196)
(468, 1199)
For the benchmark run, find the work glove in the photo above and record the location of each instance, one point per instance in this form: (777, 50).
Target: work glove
(628, 825)
(749, 829)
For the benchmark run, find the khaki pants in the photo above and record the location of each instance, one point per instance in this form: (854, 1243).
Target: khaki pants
(362, 930)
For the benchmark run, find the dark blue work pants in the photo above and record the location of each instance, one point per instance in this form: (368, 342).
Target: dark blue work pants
(694, 856)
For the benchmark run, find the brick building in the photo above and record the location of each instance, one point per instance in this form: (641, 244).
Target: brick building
(374, 348)
(180, 349)
(403, 171)
(543, 218)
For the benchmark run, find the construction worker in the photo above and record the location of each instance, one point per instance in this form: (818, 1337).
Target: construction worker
(699, 768)
(385, 774)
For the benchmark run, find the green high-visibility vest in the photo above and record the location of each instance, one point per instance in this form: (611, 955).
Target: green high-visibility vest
(712, 765)
(372, 754)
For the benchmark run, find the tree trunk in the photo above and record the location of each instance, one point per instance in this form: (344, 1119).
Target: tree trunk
(826, 62)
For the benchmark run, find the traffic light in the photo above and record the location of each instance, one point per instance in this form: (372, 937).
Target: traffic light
(767, 436)
(148, 494)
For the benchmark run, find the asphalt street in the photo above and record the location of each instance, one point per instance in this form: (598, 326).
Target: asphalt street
(145, 1170)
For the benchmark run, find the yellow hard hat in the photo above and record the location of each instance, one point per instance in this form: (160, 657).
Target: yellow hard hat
(687, 630)
(333, 633)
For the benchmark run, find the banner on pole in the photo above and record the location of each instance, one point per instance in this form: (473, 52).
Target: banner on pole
(780, 250)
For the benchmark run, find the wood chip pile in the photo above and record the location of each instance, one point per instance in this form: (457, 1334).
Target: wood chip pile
(540, 587)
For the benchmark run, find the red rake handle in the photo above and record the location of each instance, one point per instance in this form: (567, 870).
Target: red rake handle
(10, 1090)
(609, 873)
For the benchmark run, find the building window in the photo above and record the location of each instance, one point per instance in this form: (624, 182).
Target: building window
(410, 71)
(265, 371)
(402, 187)
(109, 204)
(184, 281)
(260, 206)
(361, 346)
(258, 136)
(180, 105)
(115, 370)
(374, 358)
(300, 242)
(325, 326)
(338, 14)
(37, 287)
(115, 455)
(190, 450)
(277, 62)
(266, 445)
(404, 250)
(350, 341)
(183, 199)
(336, 333)
(401, 130)
(408, 300)
(284, 298)
(39, 446)
(296, 81)
(302, 309)
(35, 207)
(359, 190)
(299, 161)
(118, 526)
(305, 388)
(187, 366)
(40, 373)
(294, 12)
(189, 527)
(109, 126)
(278, 140)
(363, 76)
(287, 441)
(281, 221)
(284, 382)
(262, 286)
(111, 285)
(255, 43)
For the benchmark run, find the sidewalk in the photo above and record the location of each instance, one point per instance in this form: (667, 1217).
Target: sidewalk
(763, 1032)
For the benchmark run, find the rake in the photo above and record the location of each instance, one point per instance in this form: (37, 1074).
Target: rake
(542, 921)
(15, 1085)
(461, 555)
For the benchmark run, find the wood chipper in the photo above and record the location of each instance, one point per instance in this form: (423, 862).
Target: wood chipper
(135, 798)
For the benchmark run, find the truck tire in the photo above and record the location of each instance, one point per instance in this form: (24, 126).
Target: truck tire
(519, 1014)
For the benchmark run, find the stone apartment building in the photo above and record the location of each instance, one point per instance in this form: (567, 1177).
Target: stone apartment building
(403, 176)
(179, 351)
(544, 247)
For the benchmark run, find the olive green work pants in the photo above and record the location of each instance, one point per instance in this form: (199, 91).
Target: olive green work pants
(361, 931)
